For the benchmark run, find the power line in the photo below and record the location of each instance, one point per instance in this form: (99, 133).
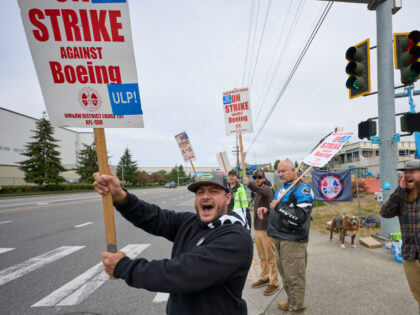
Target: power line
(253, 40)
(262, 37)
(280, 58)
(251, 14)
(292, 72)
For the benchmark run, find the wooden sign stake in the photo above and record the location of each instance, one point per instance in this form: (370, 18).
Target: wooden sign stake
(102, 155)
(294, 183)
(242, 155)
(192, 165)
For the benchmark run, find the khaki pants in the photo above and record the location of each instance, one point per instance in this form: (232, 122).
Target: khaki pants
(412, 273)
(291, 262)
(267, 254)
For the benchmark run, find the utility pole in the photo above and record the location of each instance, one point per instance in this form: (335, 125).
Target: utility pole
(386, 111)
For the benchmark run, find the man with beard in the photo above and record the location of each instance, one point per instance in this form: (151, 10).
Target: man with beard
(404, 202)
(288, 224)
(211, 254)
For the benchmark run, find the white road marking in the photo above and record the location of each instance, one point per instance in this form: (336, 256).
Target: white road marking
(161, 297)
(5, 250)
(6, 222)
(83, 224)
(48, 202)
(32, 264)
(82, 286)
(163, 202)
(42, 203)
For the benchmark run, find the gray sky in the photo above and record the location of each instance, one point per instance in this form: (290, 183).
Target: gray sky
(188, 52)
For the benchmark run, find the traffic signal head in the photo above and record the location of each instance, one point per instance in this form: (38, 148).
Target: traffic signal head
(410, 122)
(407, 54)
(358, 69)
(367, 129)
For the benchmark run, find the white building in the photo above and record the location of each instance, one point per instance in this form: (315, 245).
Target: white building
(16, 132)
(365, 155)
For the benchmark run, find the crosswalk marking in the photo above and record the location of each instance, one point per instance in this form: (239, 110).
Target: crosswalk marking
(79, 288)
(5, 250)
(6, 222)
(161, 297)
(35, 263)
(83, 224)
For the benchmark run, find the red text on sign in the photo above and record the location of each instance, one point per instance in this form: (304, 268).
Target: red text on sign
(95, 25)
(236, 107)
(85, 74)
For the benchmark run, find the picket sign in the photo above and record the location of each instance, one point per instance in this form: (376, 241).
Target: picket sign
(192, 165)
(87, 75)
(221, 156)
(321, 155)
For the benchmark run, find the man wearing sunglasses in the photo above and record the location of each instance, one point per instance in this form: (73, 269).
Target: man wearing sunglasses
(264, 243)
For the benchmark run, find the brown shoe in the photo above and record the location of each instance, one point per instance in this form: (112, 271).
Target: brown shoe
(271, 289)
(260, 283)
(284, 306)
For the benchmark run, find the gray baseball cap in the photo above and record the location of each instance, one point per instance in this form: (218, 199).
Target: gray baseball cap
(411, 165)
(209, 178)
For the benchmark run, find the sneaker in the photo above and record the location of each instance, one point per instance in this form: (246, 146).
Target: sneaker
(284, 306)
(271, 289)
(260, 283)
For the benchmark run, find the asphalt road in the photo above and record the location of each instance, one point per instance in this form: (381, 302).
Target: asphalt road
(50, 255)
(50, 264)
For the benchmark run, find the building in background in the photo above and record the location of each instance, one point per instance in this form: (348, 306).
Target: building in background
(16, 132)
(364, 155)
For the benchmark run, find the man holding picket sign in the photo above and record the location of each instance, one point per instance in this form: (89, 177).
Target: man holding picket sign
(289, 221)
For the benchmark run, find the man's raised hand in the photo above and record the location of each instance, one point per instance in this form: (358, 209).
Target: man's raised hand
(105, 183)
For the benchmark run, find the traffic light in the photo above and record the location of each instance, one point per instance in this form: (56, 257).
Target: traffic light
(358, 69)
(407, 54)
(367, 129)
(410, 122)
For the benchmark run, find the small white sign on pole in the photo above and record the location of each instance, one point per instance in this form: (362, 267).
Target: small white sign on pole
(327, 149)
(185, 146)
(223, 161)
(84, 59)
(237, 109)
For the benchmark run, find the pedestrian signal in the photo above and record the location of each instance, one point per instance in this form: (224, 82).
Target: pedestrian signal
(406, 56)
(367, 129)
(410, 122)
(358, 69)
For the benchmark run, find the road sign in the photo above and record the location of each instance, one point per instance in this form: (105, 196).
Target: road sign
(374, 140)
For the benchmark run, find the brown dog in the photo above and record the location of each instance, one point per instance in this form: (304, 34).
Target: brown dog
(346, 225)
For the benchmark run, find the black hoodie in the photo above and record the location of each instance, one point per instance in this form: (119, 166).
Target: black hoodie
(209, 262)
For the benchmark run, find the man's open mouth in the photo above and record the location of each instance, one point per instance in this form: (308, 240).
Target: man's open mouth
(207, 207)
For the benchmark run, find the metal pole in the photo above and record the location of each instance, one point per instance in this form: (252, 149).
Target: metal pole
(386, 111)
(357, 193)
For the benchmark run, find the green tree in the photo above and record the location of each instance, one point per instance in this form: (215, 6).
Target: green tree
(127, 169)
(87, 163)
(276, 164)
(43, 165)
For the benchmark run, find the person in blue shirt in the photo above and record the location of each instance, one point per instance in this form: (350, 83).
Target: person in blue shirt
(289, 220)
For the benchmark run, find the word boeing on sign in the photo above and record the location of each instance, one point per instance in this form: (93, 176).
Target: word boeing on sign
(238, 118)
(84, 59)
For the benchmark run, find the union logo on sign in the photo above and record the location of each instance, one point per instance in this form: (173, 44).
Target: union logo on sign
(89, 99)
(330, 186)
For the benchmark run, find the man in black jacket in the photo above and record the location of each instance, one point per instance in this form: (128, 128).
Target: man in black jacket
(211, 254)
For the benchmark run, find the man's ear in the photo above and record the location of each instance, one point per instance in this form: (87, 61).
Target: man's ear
(228, 197)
